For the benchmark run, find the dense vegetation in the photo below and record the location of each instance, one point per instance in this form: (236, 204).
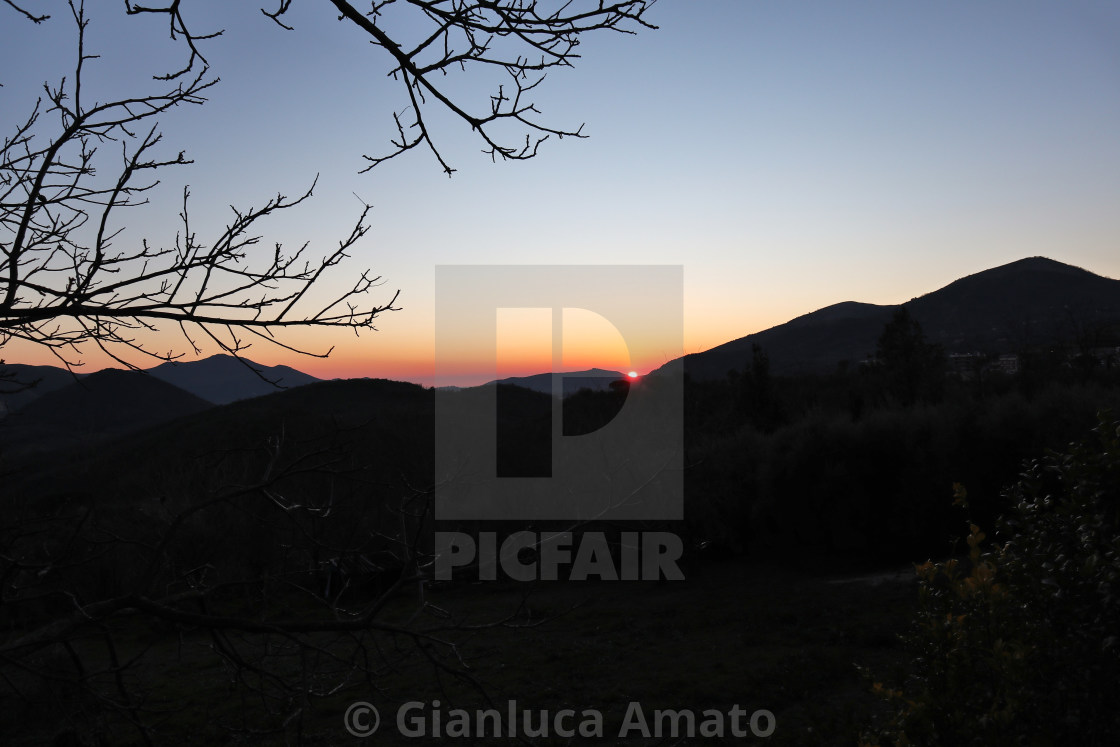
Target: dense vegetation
(1017, 642)
(860, 462)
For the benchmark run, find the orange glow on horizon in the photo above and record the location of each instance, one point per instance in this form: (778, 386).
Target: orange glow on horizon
(590, 341)
(404, 351)
(524, 342)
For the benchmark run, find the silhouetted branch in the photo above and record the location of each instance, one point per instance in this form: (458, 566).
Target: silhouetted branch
(26, 14)
(263, 530)
(65, 283)
(428, 41)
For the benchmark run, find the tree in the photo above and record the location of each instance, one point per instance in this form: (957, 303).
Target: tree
(218, 543)
(427, 41)
(913, 369)
(64, 283)
(758, 403)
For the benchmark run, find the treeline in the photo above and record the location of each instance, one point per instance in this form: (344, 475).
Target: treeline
(859, 462)
(825, 482)
(863, 461)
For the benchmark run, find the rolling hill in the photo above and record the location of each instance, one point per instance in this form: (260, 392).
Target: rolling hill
(219, 379)
(109, 402)
(596, 379)
(348, 425)
(20, 384)
(1019, 306)
(222, 378)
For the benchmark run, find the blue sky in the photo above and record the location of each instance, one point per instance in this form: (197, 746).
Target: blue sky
(789, 155)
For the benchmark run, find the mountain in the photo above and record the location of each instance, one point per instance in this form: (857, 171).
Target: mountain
(811, 343)
(1028, 303)
(222, 379)
(21, 384)
(596, 379)
(219, 379)
(1015, 307)
(109, 402)
(342, 426)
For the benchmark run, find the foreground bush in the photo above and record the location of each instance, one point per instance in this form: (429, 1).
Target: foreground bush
(1018, 644)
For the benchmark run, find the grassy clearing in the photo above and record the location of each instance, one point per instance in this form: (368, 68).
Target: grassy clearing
(734, 634)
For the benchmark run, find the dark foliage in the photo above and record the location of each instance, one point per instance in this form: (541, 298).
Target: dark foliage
(909, 367)
(1018, 644)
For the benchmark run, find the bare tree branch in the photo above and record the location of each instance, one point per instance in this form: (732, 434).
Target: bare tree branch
(428, 41)
(26, 14)
(84, 568)
(64, 282)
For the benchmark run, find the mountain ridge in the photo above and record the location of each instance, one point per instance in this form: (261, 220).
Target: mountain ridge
(1030, 302)
(596, 379)
(222, 378)
(109, 402)
(218, 379)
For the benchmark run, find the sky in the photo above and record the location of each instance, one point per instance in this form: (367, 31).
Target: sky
(785, 155)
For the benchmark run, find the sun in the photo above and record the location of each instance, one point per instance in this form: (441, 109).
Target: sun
(633, 374)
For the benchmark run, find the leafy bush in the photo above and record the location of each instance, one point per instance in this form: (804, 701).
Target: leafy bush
(1018, 643)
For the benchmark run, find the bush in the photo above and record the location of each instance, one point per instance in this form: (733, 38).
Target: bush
(1018, 643)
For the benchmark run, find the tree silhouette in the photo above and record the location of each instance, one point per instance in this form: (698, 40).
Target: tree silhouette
(67, 276)
(912, 368)
(428, 41)
(758, 401)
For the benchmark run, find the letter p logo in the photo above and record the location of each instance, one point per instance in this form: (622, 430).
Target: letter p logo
(631, 468)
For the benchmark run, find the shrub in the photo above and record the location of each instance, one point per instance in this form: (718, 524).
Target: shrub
(1018, 643)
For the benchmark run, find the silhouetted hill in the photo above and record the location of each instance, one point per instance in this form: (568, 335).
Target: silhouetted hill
(222, 378)
(352, 428)
(108, 402)
(1016, 307)
(219, 379)
(596, 379)
(343, 402)
(15, 379)
(1032, 302)
(810, 343)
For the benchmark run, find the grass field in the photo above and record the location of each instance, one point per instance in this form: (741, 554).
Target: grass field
(734, 634)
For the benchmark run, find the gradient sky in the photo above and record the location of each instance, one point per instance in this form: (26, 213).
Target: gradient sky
(789, 155)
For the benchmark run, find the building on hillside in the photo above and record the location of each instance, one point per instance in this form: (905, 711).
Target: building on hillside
(1008, 363)
(965, 365)
(968, 366)
(1109, 357)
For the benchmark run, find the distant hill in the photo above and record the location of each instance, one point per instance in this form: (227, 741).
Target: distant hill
(1034, 301)
(811, 343)
(21, 384)
(596, 379)
(359, 424)
(1018, 306)
(222, 379)
(108, 402)
(219, 379)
